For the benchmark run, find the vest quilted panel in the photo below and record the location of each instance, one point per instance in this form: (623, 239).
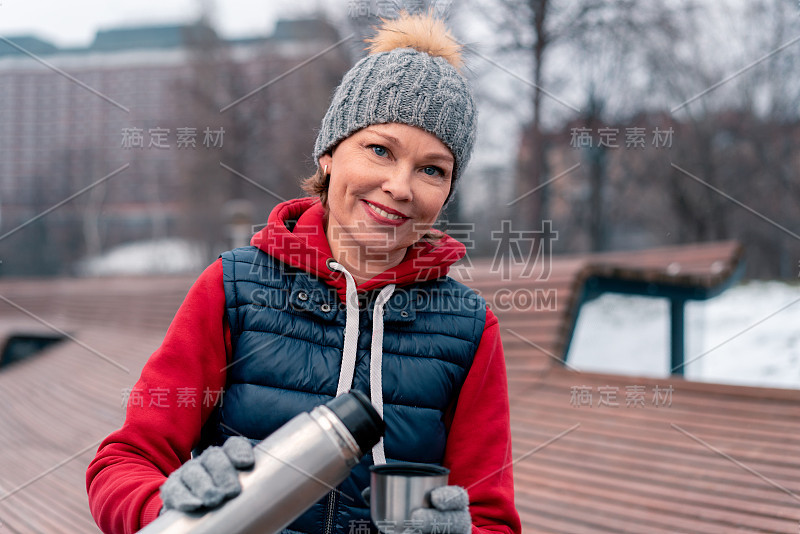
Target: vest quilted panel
(287, 329)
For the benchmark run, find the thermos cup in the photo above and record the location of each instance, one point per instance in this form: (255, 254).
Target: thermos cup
(399, 488)
(295, 466)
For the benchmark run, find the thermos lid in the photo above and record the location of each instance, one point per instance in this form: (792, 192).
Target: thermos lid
(361, 419)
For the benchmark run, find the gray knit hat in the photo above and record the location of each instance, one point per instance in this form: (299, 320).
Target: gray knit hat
(408, 85)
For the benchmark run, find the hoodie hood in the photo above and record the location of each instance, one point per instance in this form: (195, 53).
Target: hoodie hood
(295, 234)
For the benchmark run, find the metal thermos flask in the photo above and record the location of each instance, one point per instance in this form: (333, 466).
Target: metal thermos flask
(294, 468)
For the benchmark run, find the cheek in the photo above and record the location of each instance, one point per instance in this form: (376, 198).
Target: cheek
(337, 191)
(349, 182)
(434, 202)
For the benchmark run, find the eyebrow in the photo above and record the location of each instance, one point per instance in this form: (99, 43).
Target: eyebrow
(437, 156)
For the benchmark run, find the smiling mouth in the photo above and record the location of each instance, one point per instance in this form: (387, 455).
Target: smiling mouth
(384, 213)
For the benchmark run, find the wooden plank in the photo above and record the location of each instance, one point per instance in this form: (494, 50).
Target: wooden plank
(655, 510)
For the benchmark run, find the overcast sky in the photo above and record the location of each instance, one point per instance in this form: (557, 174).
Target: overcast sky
(75, 22)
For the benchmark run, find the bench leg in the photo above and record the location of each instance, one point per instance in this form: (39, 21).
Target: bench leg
(677, 331)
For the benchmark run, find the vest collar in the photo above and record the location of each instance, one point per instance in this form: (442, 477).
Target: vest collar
(312, 296)
(295, 235)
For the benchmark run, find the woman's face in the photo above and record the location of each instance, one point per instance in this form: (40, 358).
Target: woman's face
(388, 183)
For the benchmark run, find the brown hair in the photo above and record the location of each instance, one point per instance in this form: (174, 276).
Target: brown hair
(317, 185)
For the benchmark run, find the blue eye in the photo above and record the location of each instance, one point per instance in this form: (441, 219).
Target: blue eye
(379, 150)
(433, 171)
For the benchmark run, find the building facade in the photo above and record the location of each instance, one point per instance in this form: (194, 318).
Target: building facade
(153, 132)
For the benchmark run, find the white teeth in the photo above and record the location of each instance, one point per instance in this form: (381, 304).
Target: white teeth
(386, 214)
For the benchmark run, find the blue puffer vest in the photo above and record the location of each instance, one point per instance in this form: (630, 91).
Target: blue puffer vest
(287, 332)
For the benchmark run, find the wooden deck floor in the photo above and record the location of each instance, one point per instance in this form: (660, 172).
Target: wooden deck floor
(59, 404)
(594, 453)
(605, 453)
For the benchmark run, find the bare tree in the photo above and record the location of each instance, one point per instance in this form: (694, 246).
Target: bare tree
(597, 43)
(738, 175)
(269, 106)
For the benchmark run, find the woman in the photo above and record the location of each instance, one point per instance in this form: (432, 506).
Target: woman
(344, 290)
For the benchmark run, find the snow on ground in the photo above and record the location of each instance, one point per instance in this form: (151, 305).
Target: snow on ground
(748, 335)
(161, 256)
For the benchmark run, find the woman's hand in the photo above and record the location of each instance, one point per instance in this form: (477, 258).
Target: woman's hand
(209, 479)
(450, 512)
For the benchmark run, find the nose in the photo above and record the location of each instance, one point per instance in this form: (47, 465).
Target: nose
(398, 184)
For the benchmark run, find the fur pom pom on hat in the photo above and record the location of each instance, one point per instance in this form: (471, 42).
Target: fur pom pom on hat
(420, 32)
(410, 77)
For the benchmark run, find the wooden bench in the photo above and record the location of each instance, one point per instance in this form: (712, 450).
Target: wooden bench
(654, 455)
(539, 327)
(608, 453)
(593, 452)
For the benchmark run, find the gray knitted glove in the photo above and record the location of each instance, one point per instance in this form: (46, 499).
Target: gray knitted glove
(450, 512)
(209, 479)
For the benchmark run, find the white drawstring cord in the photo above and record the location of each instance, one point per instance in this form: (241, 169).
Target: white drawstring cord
(376, 365)
(350, 332)
(351, 347)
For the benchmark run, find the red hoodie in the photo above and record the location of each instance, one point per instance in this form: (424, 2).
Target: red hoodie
(182, 381)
